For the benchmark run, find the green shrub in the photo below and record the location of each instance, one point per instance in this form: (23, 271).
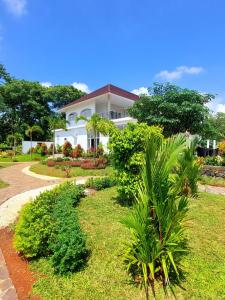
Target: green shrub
(127, 148)
(68, 243)
(38, 231)
(35, 225)
(100, 183)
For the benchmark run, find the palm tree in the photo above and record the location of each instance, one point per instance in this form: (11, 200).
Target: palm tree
(29, 132)
(56, 122)
(157, 241)
(97, 124)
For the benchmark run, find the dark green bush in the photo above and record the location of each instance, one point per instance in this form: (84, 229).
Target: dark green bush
(100, 183)
(68, 243)
(127, 149)
(49, 226)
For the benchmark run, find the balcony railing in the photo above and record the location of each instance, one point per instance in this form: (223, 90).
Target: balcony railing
(112, 115)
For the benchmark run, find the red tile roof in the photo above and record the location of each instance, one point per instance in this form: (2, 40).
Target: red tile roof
(109, 88)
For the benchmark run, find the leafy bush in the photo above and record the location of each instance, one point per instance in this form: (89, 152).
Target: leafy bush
(127, 148)
(100, 183)
(43, 149)
(49, 226)
(156, 223)
(58, 148)
(214, 160)
(67, 148)
(77, 151)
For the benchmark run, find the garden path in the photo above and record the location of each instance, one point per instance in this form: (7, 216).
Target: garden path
(20, 182)
(212, 189)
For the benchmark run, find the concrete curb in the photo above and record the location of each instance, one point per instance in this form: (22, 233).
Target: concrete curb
(43, 177)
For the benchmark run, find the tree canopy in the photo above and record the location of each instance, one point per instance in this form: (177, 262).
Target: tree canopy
(26, 103)
(174, 108)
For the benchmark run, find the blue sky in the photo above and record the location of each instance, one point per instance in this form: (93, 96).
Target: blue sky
(128, 43)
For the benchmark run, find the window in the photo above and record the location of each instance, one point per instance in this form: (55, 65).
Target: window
(91, 140)
(86, 113)
(71, 118)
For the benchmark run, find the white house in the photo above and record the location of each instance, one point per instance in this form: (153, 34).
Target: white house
(109, 101)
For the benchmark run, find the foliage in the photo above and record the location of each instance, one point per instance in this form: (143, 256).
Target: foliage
(173, 108)
(100, 183)
(24, 103)
(43, 149)
(49, 225)
(69, 242)
(214, 129)
(187, 172)
(214, 160)
(97, 124)
(127, 148)
(77, 151)
(221, 147)
(60, 95)
(157, 240)
(67, 148)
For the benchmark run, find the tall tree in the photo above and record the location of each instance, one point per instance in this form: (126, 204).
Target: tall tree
(173, 108)
(60, 95)
(4, 75)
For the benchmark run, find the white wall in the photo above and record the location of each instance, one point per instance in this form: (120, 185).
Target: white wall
(26, 145)
(78, 109)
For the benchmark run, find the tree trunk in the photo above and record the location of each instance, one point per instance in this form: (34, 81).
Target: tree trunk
(31, 146)
(53, 149)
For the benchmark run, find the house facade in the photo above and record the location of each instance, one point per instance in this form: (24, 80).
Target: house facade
(109, 102)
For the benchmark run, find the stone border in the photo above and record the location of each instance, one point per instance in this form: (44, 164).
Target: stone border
(7, 289)
(27, 171)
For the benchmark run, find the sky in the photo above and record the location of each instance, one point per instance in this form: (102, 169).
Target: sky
(128, 43)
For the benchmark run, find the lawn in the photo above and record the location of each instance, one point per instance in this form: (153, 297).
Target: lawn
(21, 158)
(3, 184)
(75, 171)
(4, 165)
(212, 181)
(105, 276)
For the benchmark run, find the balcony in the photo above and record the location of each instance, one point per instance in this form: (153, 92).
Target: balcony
(112, 115)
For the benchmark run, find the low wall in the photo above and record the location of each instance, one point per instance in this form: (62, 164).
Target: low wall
(214, 171)
(26, 145)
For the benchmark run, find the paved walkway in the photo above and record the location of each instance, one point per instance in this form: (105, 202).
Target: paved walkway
(20, 182)
(212, 189)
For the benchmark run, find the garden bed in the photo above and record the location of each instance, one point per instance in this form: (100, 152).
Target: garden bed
(213, 171)
(22, 277)
(74, 172)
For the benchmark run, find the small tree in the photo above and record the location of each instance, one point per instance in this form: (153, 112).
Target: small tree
(29, 132)
(97, 124)
(157, 242)
(56, 122)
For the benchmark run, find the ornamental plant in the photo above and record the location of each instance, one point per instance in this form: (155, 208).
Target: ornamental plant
(127, 148)
(77, 151)
(67, 148)
(158, 241)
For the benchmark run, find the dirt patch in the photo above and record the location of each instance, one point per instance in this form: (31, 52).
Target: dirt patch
(18, 268)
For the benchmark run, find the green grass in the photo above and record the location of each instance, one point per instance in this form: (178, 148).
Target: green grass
(3, 184)
(21, 158)
(212, 181)
(5, 165)
(105, 277)
(75, 171)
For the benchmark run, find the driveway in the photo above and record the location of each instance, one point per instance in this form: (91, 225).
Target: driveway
(19, 182)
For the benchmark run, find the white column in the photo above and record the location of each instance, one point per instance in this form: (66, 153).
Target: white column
(109, 105)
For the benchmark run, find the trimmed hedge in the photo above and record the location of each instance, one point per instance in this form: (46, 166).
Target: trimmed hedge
(49, 226)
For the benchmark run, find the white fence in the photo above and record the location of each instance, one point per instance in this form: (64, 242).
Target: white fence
(26, 145)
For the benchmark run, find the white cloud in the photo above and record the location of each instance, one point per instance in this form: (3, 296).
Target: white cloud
(141, 91)
(178, 73)
(46, 84)
(81, 86)
(217, 104)
(17, 7)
